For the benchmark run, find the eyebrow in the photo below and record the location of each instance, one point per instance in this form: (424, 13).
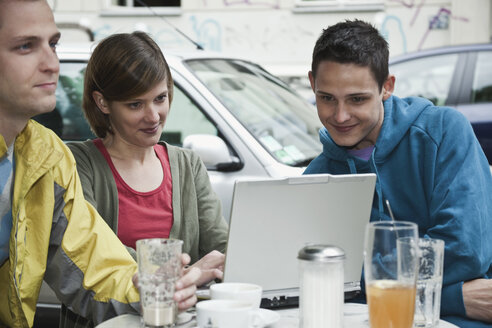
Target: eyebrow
(34, 38)
(359, 94)
(322, 93)
(356, 94)
(131, 100)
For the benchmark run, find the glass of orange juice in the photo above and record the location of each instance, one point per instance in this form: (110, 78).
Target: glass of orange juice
(390, 270)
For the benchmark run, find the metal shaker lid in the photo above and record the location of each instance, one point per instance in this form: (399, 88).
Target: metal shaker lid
(321, 253)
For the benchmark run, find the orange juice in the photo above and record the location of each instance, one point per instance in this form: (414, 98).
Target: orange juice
(391, 304)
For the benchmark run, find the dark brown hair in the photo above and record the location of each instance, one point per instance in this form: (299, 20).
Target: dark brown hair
(353, 42)
(123, 66)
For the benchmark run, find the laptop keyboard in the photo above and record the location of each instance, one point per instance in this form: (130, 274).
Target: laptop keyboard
(283, 302)
(280, 302)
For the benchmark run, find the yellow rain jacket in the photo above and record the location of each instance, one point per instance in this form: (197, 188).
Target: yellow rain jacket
(59, 237)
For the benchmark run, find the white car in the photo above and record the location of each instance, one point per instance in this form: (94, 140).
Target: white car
(241, 120)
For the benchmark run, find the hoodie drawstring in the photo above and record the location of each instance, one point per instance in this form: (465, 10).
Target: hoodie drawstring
(351, 164)
(379, 192)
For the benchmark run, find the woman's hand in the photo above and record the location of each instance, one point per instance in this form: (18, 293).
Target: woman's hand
(211, 267)
(185, 288)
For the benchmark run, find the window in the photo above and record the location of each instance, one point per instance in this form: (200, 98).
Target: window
(69, 123)
(67, 119)
(339, 5)
(281, 121)
(141, 7)
(482, 82)
(428, 77)
(148, 3)
(185, 118)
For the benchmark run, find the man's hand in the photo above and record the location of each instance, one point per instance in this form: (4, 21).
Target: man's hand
(477, 297)
(211, 266)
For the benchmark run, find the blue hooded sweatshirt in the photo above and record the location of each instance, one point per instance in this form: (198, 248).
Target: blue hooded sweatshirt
(433, 171)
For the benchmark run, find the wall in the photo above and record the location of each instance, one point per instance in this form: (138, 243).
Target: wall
(279, 34)
(474, 25)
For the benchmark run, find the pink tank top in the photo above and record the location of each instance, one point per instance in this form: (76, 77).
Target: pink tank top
(143, 214)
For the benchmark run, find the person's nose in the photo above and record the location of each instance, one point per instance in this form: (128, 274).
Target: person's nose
(152, 113)
(49, 60)
(341, 113)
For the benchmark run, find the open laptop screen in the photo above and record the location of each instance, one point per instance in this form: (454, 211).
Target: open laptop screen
(271, 220)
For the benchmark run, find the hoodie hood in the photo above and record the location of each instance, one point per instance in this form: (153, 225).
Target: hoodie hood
(399, 116)
(396, 123)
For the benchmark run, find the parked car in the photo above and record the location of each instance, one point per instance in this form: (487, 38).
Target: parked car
(456, 76)
(241, 120)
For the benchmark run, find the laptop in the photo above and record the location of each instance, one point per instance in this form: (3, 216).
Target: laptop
(272, 219)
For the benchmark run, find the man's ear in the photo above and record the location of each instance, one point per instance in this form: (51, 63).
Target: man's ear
(311, 80)
(388, 86)
(100, 102)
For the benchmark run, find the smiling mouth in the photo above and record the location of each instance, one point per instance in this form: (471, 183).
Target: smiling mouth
(344, 129)
(151, 130)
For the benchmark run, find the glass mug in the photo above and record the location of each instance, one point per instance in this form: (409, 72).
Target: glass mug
(159, 267)
(390, 270)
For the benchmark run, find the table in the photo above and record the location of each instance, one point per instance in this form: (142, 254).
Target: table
(355, 316)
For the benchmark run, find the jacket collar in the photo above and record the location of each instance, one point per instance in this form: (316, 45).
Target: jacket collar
(34, 154)
(3, 146)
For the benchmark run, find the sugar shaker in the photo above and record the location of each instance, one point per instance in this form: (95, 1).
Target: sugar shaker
(321, 294)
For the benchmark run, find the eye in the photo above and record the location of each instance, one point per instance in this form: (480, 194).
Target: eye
(24, 47)
(54, 44)
(54, 41)
(134, 105)
(326, 97)
(358, 99)
(161, 98)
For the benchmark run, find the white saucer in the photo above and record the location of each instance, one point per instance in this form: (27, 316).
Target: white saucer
(355, 309)
(184, 318)
(269, 317)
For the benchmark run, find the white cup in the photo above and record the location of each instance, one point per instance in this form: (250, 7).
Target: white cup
(237, 291)
(227, 314)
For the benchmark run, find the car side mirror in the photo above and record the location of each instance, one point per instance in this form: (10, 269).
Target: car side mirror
(213, 151)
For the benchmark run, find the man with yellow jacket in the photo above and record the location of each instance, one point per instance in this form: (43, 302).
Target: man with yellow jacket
(47, 230)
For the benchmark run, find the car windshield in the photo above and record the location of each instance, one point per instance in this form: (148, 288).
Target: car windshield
(67, 119)
(282, 121)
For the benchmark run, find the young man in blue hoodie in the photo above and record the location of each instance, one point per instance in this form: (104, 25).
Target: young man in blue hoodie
(428, 162)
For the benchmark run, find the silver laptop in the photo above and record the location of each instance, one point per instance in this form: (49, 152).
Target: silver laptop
(271, 220)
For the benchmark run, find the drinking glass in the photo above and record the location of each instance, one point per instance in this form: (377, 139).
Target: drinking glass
(429, 283)
(390, 270)
(159, 267)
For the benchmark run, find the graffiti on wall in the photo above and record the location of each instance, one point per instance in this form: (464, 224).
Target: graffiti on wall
(385, 30)
(217, 36)
(208, 33)
(284, 36)
(437, 21)
(411, 5)
(279, 35)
